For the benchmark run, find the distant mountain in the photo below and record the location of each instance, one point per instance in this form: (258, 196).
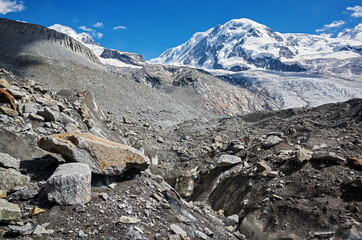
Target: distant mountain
(243, 44)
(109, 57)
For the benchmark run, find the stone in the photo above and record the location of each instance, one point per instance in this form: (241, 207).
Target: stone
(28, 108)
(12, 180)
(263, 167)
(27, 229)
(227, 160)
(103, 156)
(84, 112)
(355, 162)
(36, 117)
(39, 231)
(7, 161)
(231, 220)
(9, 211)
(4, 83)
(272, 174)
(178, 230)
(24, 194)
(208, 232)
(126, 219)
(103, 196)
(324, 234)
(328, 156)
(200, 235)
(6, 97)
(271, 141)
(128, 120)
(16, 92)
(70, 184)
(301, 155)
(48, 114)
(8, 111)
(36, 211)
(82, 234)
(3, 193)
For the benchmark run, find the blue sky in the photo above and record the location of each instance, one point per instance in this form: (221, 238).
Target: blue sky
(150, 27)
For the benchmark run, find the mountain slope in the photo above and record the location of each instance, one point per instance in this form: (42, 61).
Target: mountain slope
(242, 44)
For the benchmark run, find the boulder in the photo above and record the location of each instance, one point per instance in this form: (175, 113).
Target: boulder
(12, 180)
(103, 156)
(6, 97)
(7, 161)
(9, 211)
(70, 184)
(232, 220)
(227, 160)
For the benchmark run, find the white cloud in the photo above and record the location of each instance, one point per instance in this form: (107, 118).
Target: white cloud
(119, 27)
(334, 24)
(326, 35)
(357, 11)
(7, 6)
(99, 35)
(98, 25)
(84, 28)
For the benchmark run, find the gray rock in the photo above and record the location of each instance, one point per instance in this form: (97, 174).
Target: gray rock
(24, 194)
(103, 196)
(9, 211)
(16, 93)
(27, 229)
(178, 230)
(12, 180)
(272, 174)
(70, 184)
(48, 114)
(301, 155)
(208, 232)
(227, 160)
(7, 161)
(28, 108)
(328, 156)
(82, 234)
(200, 235)
(324, 234)
(39, 231)
(231, 220)
(66, 119)
(271, 141)
(35, 117)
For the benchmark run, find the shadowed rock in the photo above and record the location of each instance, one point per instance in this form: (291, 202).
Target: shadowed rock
(70, 184)
(103, 156)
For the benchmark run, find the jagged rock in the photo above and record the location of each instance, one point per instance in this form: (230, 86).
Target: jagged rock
(3, 193)
(302, 154)
(4, 83)
(231, 220)
(227, 160)
(272, 174)
(70, 184)
(12, 180)
(200, 235)
(24, 194)
(7, 161)
(9, 211)
(263, 167)
(8, 111)
(48, 114)
(28, 108)
(35, 117)
(20, 230)
(84, 112)
(17, 93)
(103, 156)
(39, 231)
(178, 230)
(6, 97)
(128, 120)
(328, 156)
(208, 232)
(271, 141)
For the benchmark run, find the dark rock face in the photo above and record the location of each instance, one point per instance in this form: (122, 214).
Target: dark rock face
(128, 58)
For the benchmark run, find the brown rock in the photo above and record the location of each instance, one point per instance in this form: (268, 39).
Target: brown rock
(103, 156)
(8, 111)
(4, 83)
(263, 168)
(355, 162)
(6, 97)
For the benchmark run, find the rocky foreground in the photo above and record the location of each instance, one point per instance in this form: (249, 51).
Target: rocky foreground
(69, 171)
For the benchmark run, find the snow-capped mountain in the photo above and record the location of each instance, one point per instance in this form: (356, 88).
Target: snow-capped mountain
(243, 44)
(108, 57)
